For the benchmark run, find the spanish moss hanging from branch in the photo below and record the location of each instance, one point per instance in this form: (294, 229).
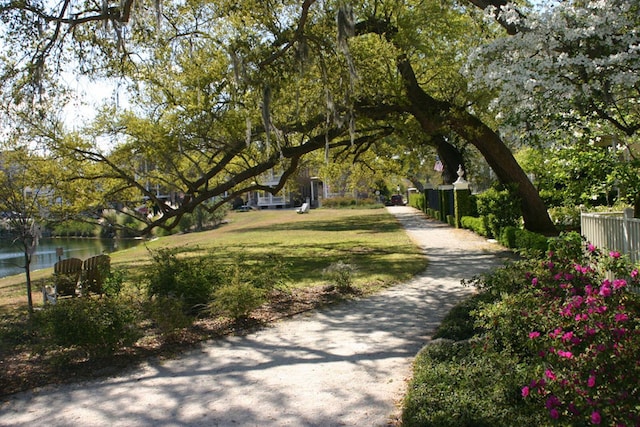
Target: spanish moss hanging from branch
(266, 113)
(346, 29)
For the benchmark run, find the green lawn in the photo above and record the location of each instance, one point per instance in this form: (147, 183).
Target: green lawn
(370, 239)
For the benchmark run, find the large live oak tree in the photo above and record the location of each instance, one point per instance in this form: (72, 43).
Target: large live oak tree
(245, 88)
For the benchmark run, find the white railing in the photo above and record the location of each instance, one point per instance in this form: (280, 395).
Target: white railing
(271, 200)
(616, 231)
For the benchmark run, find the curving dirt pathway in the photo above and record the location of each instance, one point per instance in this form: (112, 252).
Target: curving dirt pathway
(346, 365)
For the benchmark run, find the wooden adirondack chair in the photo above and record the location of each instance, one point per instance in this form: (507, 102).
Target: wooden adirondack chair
(66, 275)
(95, 269)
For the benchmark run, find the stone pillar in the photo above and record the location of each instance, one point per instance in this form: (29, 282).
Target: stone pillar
(462, 197)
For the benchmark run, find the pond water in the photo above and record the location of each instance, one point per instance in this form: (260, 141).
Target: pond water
(12, 255)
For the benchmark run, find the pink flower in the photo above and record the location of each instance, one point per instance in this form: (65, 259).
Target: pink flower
(555, 333)
(525, 391)
(534, 334)
(534, 281)
(580, 317)
(605, 290)
(567, 336)
(565, 354)
(634, 273)
(591, 248)
(621, 317)
(554, 414)
(595, 417)
(549, 374)
(614, 254)
(552, 402)
(619, 283)
(591, 382)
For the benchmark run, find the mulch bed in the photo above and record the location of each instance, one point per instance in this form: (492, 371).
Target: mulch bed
(26, 368)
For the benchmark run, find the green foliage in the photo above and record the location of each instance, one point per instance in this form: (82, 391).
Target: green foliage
(349, 202)
(579, 174)
(461, 384)
(74, 229)
(99, 326)
(523, 240)
(237, 298)
(112, 282)
(192, 280)
(499, 208)
(168, 315)
(566, 217)
(574, 328)
(418, 201)
(459, 324)
(341, 274)
(474, 224)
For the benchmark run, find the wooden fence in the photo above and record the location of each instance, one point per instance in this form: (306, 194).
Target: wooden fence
(615, 231)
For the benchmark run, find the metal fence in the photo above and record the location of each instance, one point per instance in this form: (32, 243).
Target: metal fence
(614, 231)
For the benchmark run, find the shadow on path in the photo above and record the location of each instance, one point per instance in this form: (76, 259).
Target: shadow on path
(344, 365)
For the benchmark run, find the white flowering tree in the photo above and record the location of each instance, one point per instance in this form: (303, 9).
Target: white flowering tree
(570, 71)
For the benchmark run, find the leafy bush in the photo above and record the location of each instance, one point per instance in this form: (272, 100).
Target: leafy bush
(474, 224)
(112, 283)
(237, 298)
(461, 384)
(459, 324)
(500, 208)
(517, 238)
(191, 280)
(565, 217)
(341, 274)
(168, 314)
(99, 326)
(576, 330)
(418, 201)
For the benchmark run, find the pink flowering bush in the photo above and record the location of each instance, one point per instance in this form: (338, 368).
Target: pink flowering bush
(584, 336)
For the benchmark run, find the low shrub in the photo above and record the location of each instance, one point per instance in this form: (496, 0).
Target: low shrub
(168, 315)
(500, 207)
(237, 298)
(459, 384)
(474, 224)
(98, 326)
(341, 274)
(418, 201)
(523, 240)
(576, 329)
(459, 324)
(191, 280)
(565, 217)
(349, 202)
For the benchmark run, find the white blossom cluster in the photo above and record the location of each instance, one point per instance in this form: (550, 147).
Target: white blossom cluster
(574, 64)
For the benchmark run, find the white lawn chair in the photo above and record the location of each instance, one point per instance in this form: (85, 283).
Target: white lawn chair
(303, 209)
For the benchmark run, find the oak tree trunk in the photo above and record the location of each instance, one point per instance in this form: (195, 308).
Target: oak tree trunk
(434, 116)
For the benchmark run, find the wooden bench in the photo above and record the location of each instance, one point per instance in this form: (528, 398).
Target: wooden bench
(94, 271)
(73, 277)
(66, 278)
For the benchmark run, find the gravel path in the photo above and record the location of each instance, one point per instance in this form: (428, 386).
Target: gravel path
(346, 365)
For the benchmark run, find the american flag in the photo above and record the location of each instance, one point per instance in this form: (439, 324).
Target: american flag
(439, 167)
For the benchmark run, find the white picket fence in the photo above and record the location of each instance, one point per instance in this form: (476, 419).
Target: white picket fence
(614, 231)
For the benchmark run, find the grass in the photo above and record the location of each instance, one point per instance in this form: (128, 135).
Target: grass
(371, 240)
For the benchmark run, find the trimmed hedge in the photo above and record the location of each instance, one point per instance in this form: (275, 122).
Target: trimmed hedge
(477, 225)
(516, 238)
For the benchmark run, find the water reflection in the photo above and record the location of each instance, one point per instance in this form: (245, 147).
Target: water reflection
(12, 255)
